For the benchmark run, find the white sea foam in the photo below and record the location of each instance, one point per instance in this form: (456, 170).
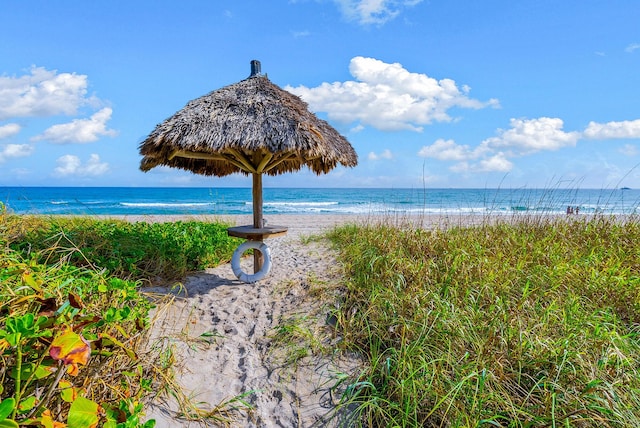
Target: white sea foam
(166, 204)
(298, 204)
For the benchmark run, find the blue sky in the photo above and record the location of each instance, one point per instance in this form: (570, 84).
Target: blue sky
(431, 93)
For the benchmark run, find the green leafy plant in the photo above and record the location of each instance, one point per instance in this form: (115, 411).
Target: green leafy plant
(59, 346)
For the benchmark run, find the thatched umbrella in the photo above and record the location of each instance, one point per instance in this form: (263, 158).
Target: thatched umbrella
(251, 127)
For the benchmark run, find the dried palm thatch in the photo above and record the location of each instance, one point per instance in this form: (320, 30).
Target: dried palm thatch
(251, 127)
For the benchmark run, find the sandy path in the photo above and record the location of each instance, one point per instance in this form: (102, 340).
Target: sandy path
(238, 355)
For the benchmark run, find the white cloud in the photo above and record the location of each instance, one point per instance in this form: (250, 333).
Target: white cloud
(373, 11)
(15, 151)
(448, 150)
(528, 136)
(71, 165)
(9, 130)
(485, 160)
(525, 137)
(42, 93)
(388, 97)
(623, 129)
(461, 167)
(80, 130)
(495, 163)
(386, 154)
(629, 150)
(632, 47)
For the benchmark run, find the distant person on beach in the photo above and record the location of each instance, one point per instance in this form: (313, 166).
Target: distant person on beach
(571, 210)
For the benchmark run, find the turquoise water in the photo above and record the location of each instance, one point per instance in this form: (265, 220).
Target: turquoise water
(198, 201)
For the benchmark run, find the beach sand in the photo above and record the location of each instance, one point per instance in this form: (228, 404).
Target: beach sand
(222, 334)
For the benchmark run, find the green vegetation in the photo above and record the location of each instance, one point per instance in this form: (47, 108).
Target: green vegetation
(73, 321)
(534, 324)
(129, 250)
(530, 324)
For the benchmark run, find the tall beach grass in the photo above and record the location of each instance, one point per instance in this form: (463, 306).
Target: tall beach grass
(525, 323)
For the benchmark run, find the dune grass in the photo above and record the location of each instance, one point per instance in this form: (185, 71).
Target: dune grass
(533, 323)
(74, 322)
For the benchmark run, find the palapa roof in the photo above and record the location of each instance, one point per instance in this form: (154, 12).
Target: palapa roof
(252, 126)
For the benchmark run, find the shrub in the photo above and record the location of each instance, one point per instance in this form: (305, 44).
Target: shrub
(129, 250)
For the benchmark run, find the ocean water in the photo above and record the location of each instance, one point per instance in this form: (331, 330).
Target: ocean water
(200, 201)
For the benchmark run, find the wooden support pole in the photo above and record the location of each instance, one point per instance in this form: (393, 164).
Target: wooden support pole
(257, 217)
